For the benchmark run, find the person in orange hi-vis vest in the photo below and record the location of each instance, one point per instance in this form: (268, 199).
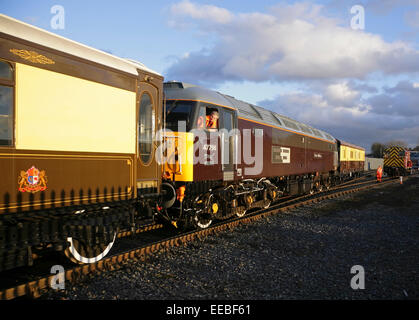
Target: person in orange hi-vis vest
(212, 120)
(379, 173)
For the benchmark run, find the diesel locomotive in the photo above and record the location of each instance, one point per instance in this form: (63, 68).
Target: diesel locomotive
(92, 144)
(397, 161)
(249, 158)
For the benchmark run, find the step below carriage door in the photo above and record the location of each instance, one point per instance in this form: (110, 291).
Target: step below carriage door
(228, 141)
(148, 172)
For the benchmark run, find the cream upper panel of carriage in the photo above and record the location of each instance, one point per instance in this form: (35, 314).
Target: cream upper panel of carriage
(33, 34)
(57, 112)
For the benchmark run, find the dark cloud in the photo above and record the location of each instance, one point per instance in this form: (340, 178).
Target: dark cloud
(363, 87)
(362, 121)
(404, 86)
(403, 100)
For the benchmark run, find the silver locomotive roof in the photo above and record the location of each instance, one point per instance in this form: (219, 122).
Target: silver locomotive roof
(48, 39)
(185, 91)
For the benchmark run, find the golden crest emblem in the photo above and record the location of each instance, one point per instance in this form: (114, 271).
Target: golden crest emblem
(32, 180)
(32, 56)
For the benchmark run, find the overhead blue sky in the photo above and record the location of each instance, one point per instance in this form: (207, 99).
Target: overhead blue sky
(298, 58)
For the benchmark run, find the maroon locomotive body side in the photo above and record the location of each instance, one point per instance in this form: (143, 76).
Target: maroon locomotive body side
(300, 153)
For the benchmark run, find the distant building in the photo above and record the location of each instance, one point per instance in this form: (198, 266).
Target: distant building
(373, 163)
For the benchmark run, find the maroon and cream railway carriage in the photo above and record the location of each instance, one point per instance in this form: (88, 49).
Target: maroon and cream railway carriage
(351, 159)
(76, 145)
(252, 158)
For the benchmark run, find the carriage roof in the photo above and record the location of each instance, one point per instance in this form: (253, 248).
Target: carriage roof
(48, 39)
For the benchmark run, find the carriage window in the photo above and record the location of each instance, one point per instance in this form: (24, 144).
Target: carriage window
(6, 104)
(146, 128)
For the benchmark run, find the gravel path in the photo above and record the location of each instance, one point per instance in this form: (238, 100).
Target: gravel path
(306, 253)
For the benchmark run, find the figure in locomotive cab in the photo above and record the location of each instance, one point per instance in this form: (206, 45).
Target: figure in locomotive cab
(212, 120)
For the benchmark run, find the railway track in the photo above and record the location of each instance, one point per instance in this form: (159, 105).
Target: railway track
(168, 238)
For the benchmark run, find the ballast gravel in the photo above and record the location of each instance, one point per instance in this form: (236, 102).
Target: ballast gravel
(306, 253)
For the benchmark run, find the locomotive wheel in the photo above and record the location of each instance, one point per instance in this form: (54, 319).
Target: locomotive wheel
(203, 220)
(241, 213)
(268, 205)
(80, 252)
(248, 200)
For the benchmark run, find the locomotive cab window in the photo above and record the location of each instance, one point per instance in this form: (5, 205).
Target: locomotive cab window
(146, 128)
(228, 120)
(6, 103)
(178, 114)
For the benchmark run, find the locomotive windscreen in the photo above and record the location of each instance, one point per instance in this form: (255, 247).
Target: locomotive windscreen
(178, 111)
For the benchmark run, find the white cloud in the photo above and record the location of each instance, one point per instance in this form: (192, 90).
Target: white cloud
(292, 42)
(341, 94)
(201, 12)
(301, 44)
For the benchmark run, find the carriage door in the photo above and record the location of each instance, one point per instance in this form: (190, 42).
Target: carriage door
(228, 144)
(148, 171)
